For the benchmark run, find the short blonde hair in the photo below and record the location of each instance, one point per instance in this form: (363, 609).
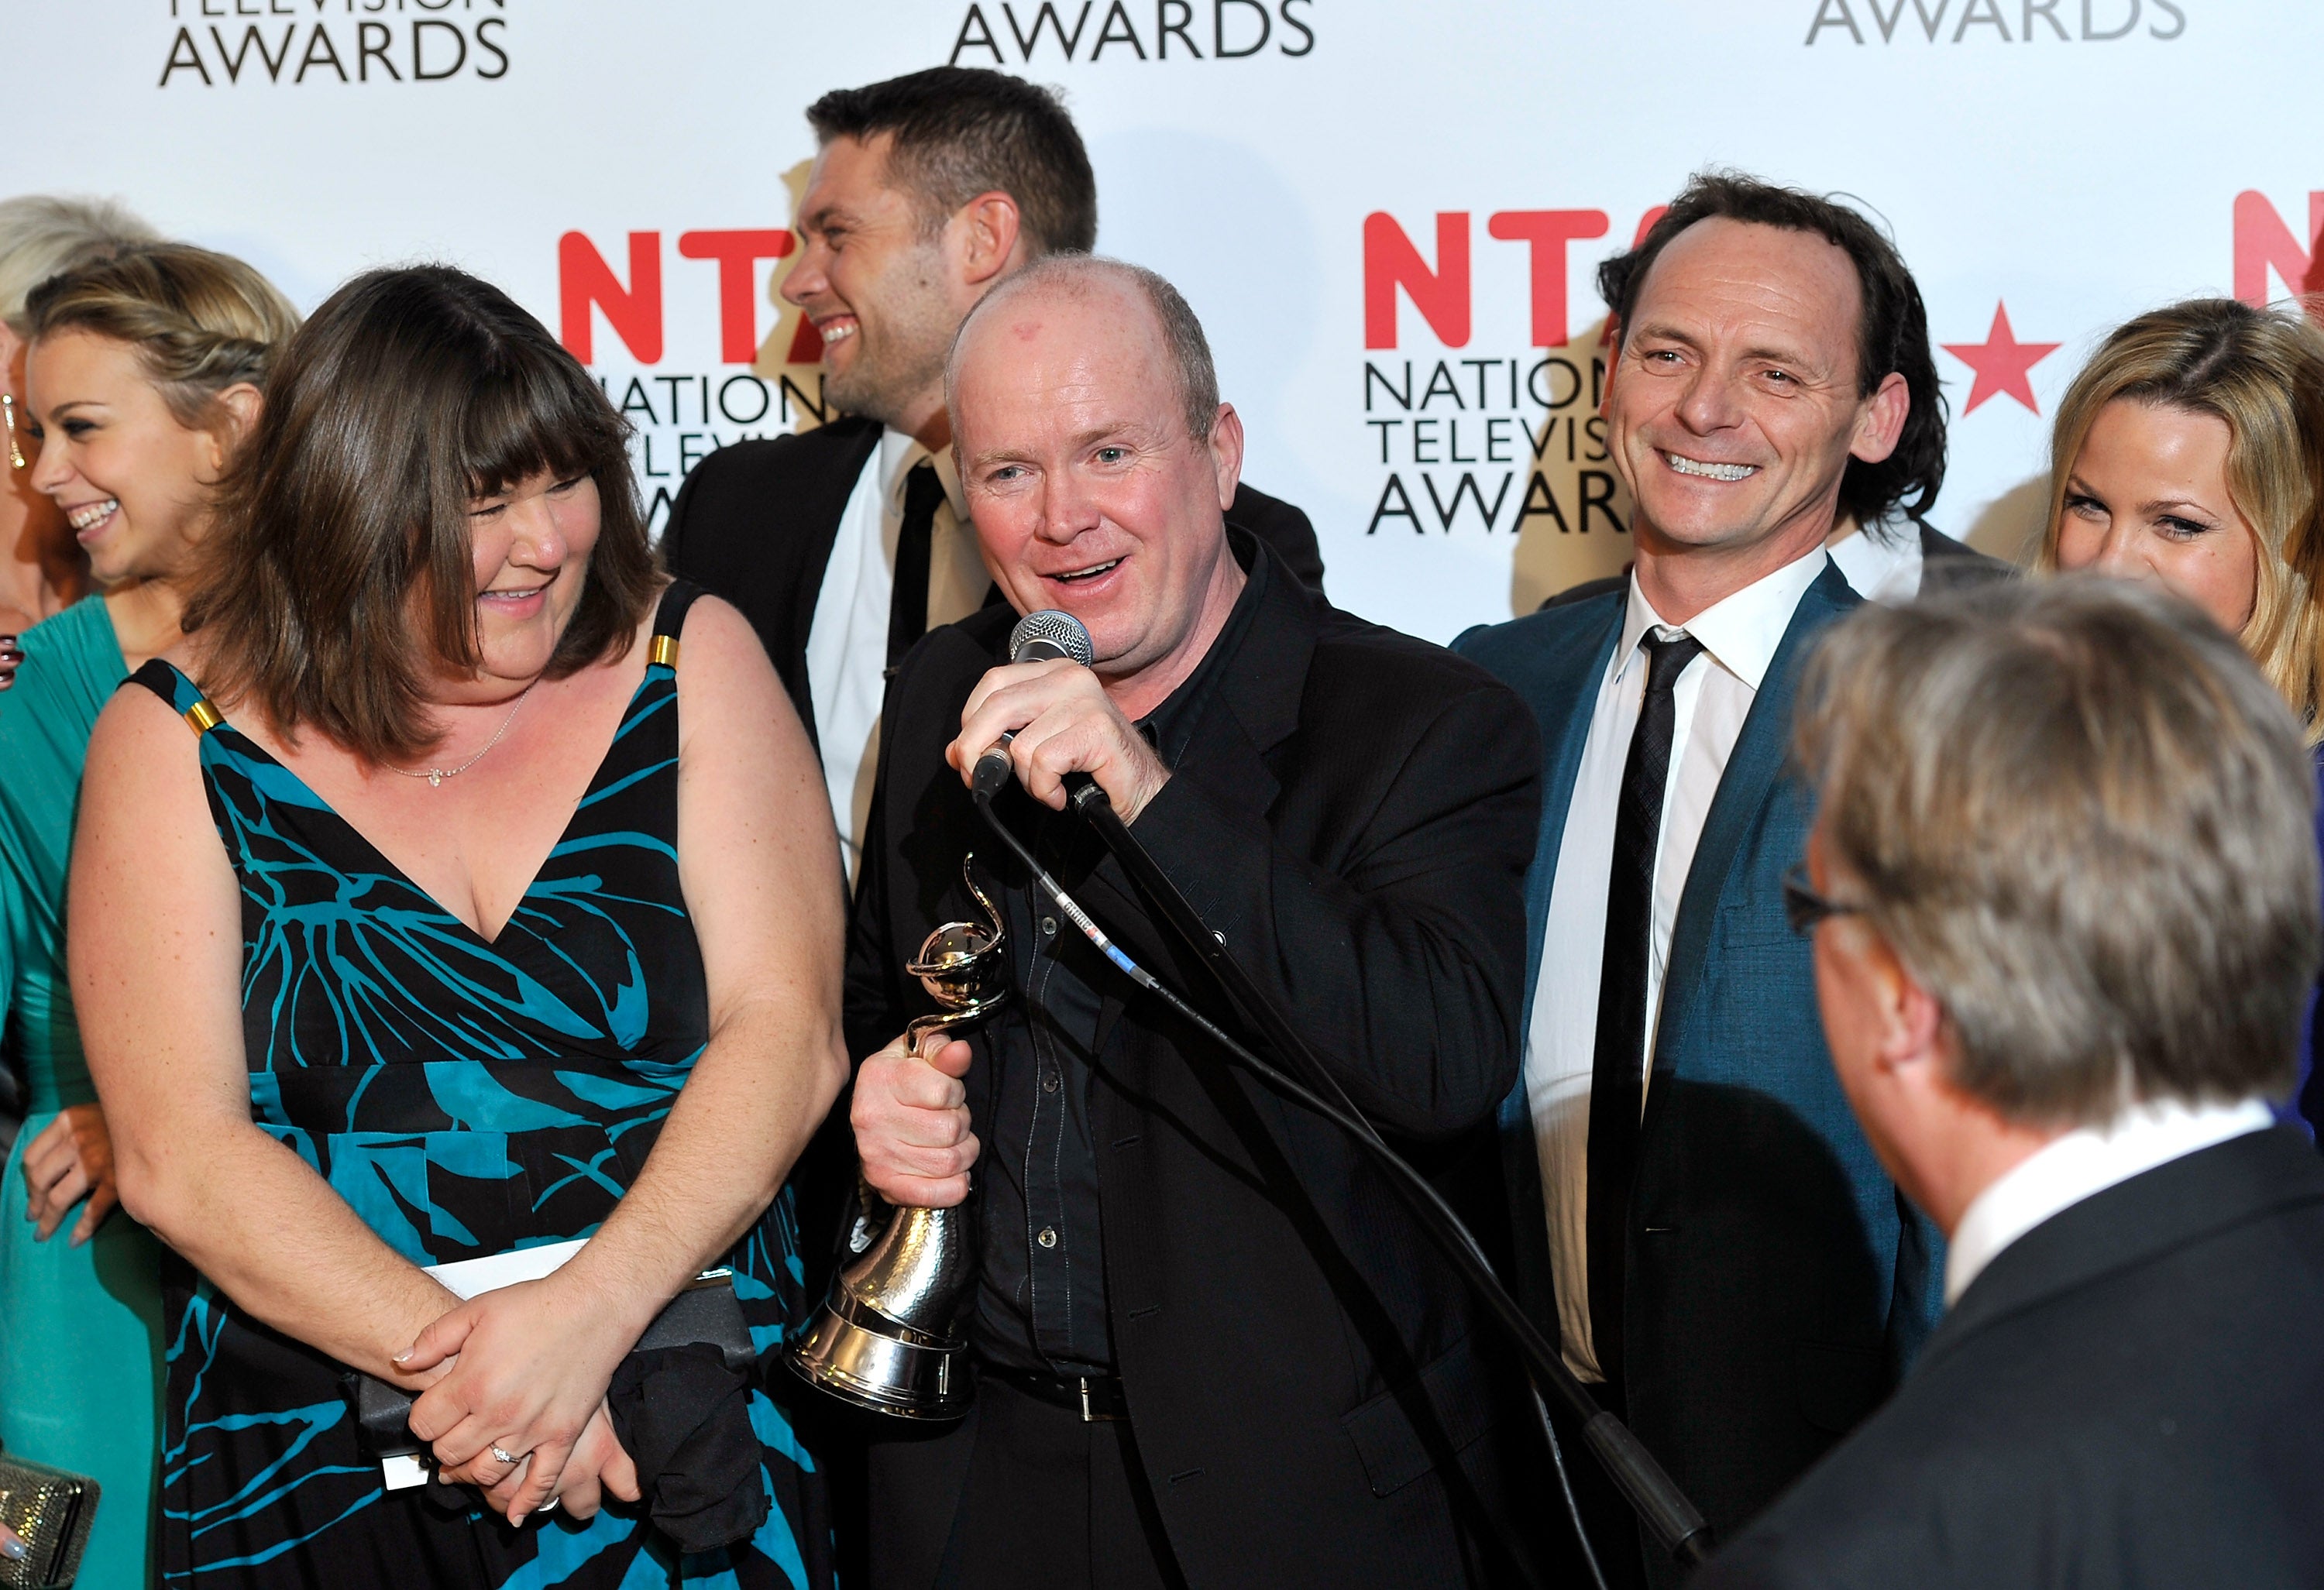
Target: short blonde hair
(2262, 372)
(2086, 823)
(200, 322)
(41, 234)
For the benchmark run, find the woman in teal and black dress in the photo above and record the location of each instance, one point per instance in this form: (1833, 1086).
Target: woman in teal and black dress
(144, 375)
(462, 888)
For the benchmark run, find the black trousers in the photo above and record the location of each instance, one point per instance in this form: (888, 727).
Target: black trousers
(1048, 1501)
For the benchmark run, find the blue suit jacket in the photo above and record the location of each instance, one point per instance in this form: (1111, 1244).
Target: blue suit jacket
(1778, 1283)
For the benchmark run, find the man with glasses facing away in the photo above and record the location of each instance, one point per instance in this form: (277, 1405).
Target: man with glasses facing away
(2062, 895)
(1695, 1212)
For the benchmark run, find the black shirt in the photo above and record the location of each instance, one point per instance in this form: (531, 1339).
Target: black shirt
(1041, 1293)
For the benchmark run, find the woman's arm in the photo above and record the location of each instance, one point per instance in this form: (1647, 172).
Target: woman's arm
(759, 866)
(154, 948)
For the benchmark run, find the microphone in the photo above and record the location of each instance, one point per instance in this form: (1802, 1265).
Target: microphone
(1037, 637)
(1051, 632)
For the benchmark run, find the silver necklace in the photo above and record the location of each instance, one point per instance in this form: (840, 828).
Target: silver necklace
(436, 776)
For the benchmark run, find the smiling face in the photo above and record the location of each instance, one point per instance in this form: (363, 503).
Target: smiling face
(879, 289)
(531, 546)
(1734, 406)
(134, 484)
(1087, 492)
(2147, 499)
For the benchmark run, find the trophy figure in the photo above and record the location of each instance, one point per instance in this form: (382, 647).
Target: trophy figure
(884, 1338)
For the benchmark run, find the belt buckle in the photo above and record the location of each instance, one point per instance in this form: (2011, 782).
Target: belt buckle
(1089, 1415)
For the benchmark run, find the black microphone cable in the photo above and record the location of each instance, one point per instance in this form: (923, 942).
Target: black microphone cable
(1665, 1509)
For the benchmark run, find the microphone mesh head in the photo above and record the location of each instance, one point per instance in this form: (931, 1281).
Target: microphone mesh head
(1049, 633)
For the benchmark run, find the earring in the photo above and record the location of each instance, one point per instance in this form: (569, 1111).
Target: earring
(8, 416)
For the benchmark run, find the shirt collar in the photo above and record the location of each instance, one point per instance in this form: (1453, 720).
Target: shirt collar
(899, 452)
(1883, 562)
(1742, 630)
(1170, 727)
(2081, 1164)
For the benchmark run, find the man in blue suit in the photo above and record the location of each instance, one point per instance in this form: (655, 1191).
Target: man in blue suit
(1695, 1206)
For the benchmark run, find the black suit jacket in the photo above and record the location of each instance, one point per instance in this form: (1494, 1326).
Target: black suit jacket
(2125, 1396)
(1304, 1375)
(756, 520)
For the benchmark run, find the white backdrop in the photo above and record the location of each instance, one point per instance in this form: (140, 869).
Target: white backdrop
(2070, 161)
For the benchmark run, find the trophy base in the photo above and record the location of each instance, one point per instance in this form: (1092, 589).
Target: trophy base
(859, 1354)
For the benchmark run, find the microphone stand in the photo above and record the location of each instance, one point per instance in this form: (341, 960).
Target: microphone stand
(1668, 1514)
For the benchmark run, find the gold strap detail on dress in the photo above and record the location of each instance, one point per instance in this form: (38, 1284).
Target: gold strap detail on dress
(202, 717)
(664, 650)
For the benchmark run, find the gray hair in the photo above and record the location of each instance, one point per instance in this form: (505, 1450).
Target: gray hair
(2085, 822)
(1076, 275)
(42, 235)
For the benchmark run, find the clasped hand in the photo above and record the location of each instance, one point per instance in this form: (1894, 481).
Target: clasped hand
(528, 1365)
(1064, 722)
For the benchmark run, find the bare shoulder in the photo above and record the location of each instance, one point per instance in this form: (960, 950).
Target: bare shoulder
(724, 675)
(138, 731)
(141, 788)
(717, 631)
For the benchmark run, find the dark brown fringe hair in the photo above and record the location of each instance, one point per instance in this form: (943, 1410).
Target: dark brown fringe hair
(410, 392)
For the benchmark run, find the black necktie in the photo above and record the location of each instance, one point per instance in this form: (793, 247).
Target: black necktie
(1618, 1071)
(908, 606)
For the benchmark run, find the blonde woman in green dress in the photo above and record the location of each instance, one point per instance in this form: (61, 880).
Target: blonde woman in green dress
(41, 570)
(143, 372)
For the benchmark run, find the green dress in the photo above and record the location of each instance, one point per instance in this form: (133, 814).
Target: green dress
(81, 1327)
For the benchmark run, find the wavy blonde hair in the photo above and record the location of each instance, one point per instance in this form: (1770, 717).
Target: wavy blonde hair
(200, 321)
(2261, 372)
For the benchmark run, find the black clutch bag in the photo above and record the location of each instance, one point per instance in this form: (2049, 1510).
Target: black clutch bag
(50, 1512)
(706, 1314)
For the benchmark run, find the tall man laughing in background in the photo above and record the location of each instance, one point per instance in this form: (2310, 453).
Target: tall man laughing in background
(844, 544)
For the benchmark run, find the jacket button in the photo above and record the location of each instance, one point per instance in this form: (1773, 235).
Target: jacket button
(1048, 1237)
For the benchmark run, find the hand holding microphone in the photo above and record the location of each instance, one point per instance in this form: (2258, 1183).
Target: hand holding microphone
(1044, 714)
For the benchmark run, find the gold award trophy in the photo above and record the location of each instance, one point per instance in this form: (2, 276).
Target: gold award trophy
(884, 1338)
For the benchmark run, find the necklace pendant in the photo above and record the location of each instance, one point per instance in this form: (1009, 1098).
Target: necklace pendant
(435, 778)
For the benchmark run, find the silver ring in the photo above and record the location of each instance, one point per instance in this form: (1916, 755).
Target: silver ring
(510, 1457)
(548, 1506)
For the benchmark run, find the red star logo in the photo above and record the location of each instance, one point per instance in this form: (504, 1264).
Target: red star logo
(2001, 363)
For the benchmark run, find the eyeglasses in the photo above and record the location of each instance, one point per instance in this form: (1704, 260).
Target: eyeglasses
(16, 459)
(1805, 909)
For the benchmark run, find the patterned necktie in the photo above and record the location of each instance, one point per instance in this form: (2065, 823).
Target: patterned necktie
(1618, 1073)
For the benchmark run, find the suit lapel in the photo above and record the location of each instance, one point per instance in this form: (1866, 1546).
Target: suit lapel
(1254, 709)
(1563, 692)
(1556, 662)
(2135, 1222)
(1738, 807)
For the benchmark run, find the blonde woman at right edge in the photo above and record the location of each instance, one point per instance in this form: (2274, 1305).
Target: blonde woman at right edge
(2189, 454)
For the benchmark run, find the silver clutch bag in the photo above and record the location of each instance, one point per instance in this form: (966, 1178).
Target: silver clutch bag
(50, 1512)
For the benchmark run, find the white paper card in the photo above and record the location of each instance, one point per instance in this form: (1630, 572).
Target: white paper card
(469, 1277)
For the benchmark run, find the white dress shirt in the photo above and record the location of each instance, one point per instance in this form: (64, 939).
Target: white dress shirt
(1739, 635)
(2081, 1164)
(1884, 569)
(848, 639)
